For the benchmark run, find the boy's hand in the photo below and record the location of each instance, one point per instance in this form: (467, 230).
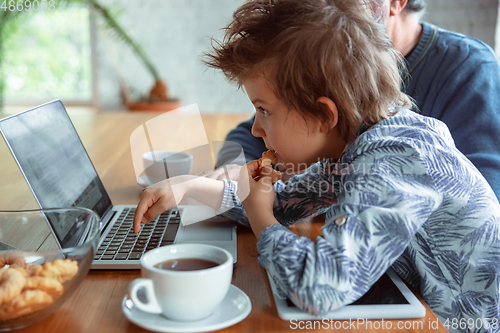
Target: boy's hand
(256, 194)
(154, 201)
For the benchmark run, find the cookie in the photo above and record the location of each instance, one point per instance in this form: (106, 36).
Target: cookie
(51, 286)
(26, 302)
(11, 284)
(12, 262)
(267, 159)
(61, 270)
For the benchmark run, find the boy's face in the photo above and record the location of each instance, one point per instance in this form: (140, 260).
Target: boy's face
(295, 140)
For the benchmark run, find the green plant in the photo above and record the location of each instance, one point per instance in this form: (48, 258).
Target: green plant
(159, 91)
(10, 19)
(7, 27)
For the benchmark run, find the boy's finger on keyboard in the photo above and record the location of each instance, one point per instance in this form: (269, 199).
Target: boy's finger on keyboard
(139, 217)
(148, 199)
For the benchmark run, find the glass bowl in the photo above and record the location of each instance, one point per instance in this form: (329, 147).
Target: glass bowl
(44, 256)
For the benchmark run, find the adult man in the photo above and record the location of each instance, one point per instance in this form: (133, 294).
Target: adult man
(452, 77)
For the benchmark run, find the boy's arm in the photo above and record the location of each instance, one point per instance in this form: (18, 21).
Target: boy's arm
(305, 195)
(169, 193)
(362, 236)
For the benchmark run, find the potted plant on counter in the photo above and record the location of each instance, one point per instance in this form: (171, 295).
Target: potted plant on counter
(158, 98)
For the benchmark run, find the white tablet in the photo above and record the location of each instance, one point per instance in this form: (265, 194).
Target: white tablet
(388, 298)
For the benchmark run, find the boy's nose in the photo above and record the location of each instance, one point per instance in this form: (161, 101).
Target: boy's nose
(257, 130)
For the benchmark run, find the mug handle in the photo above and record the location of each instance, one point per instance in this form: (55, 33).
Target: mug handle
(152, 305)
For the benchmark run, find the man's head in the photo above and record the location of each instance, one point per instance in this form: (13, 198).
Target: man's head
(410, 6)
(401, 20)
(307, 49)
(415, 6)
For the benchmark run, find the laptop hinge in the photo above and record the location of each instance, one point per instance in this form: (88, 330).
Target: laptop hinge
(108, 216)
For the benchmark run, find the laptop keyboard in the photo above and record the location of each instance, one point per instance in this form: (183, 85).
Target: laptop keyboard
(121, 243)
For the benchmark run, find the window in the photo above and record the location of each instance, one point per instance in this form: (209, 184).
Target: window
(48, 55)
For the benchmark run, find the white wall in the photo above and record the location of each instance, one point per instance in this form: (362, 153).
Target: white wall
(175, 33)
(476, 18)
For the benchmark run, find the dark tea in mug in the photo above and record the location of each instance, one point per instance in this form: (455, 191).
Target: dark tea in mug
(186, 264)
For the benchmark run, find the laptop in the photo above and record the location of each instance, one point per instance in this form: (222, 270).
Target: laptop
(388, 298)
(59, 172)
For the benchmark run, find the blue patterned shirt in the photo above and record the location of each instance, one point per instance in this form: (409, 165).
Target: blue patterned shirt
(401, 195)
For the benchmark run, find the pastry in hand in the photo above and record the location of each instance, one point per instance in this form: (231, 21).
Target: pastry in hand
(266, 160)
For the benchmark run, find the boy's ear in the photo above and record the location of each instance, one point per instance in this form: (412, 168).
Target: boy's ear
(329, 106)
(397, 7)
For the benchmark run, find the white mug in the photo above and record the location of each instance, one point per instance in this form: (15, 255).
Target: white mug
(162, 164)
(183, 295)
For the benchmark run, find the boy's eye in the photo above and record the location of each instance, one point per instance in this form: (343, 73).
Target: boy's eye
(263, 111)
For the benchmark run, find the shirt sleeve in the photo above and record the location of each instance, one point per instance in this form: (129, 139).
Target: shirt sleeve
(383, 200)
(238, 138)
(305, 195)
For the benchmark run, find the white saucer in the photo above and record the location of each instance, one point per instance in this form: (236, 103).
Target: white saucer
(233, 309)
(144, 181)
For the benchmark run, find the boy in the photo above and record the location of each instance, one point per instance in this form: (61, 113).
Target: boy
(324, 81)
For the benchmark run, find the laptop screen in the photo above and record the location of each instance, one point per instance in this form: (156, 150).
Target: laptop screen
(53, 160)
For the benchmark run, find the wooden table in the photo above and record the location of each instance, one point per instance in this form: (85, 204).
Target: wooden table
(96, 305)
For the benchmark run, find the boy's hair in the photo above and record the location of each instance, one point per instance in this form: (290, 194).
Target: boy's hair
(312, 48)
